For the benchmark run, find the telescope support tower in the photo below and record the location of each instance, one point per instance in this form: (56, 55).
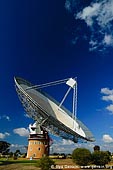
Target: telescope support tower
(38, 142)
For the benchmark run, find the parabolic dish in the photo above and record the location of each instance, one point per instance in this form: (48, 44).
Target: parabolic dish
(43, 108)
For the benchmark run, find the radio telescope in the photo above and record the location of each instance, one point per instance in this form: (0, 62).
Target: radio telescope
(50, 115)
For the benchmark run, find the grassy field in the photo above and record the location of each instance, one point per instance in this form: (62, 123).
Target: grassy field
(28, 165)
(23, 164)
(18, 164)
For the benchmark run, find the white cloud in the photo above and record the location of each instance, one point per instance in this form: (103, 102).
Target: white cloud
(106, 15)
(106, 143)
(110, 108)
(15, 147)
(98, 16)
(21, 132)
(89, 13)
(66, 142)
(4, 135)
(108, 97)
(107, 138)
(67, 146)
(7, 134)
(108, 40)
(101, 11)
(61, 145)
(107, 147)
(106, 91)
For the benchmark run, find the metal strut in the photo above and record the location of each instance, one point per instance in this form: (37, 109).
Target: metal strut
(65, 96)
(47, 84)
(69, 81)
(73, 85)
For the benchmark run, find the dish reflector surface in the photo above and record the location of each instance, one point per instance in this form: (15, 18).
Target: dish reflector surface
(43, 108)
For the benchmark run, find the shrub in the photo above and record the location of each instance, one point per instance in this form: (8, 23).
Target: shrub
(101, 157)
(45, 163)
(81, 156)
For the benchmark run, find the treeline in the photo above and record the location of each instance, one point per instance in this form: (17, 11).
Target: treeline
(60, 156)
(6, 153)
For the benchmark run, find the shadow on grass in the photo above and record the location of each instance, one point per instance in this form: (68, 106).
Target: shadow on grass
(7, 162)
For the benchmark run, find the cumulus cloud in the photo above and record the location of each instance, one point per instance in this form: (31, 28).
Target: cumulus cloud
(60, 146)
(4, 135)
(110, 108)
(98, 17)
(15, 147)
(106, 91)
(107, 138)
(67, 146)
(89, 13)
(66, 142)
(108, 97)
(21, 132)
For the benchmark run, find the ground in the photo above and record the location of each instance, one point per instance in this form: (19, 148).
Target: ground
(18, 167)
(30, 165)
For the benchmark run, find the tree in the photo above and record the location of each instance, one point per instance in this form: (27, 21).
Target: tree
(81, 156)
(96, 148)
(45, 163)
(4, 147)
(10, 154)
(101, 157)
(16, 154)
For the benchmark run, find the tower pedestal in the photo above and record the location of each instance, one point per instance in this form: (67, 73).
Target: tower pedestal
(38, 145)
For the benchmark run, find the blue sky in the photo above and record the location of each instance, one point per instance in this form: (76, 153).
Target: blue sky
(43, 41)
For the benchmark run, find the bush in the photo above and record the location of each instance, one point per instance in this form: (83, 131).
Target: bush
(45, 163)
(101, 157)
(81, 156)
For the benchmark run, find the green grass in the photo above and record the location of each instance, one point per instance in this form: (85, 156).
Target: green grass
(10, 161)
